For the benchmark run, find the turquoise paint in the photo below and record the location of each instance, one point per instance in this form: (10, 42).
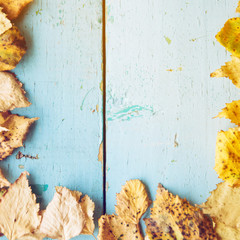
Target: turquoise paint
(128, 113)
(38, 189)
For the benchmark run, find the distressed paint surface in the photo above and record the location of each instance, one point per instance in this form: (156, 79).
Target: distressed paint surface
(62, 74)
(160, 54)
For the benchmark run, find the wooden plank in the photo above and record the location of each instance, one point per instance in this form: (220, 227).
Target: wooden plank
(62, 75)
(160, 97)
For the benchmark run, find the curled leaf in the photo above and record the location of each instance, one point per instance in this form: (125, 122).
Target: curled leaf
(19, 210)
(229, 36)
(132, 201)
(176, 218)
(223, 207)
(5, 23)
(11, 93)
(12, 48)
(17, 130)
(230, 70)
(112, 227)
(232, 112)
(64, 217)
(13, 7)
(227, 158)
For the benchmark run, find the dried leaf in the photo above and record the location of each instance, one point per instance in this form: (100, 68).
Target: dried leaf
(230, 70)
(3, 181)
(18, 127)
(112, 227)
(229, 36)
(13, 7)
(227, 158)
(224, 208)
(63, 218)
(5, 23)
(132, 201)
(232, 112)
(12, 48)
(19, 210)
(11, 93)
(176, 217)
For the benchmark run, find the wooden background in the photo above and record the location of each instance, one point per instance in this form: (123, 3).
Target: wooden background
(160, 99)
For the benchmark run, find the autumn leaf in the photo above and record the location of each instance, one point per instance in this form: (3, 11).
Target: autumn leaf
(176, 218)
(5, 23)
(17, 130)
(229, 36)
(227, 157)
(230, 70)
(132, 201)
(13, 7)
(224, 208)
(12, 48)
(64, 217)
(19, 210)
(112, 227)
(11, 93)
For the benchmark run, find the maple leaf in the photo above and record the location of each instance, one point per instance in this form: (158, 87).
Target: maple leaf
(5, 23)
(230, 70)
(227, 157)
(223, 207)
(232, 112)
(64, 217)
(19, 210)
(13, 7)
(112, 227)
(12, 48)
(17, 130)
(11, 93)
(176, 218)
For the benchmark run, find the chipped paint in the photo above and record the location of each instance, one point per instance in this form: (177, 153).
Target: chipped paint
(168, 40)
(176, 144)
(100, 153)
(38, 189)
(97, 108)
(21, 166)
(179, 69)
(128, 113)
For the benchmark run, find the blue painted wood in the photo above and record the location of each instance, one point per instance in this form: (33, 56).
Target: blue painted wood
(62, 75)
(160, 97)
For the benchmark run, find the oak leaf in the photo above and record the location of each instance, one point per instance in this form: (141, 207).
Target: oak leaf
(12, 48)
(13, 7)
(18, 127)
(11, 93)
(224, 208)
(5, 23)
(230, 70)
(64, 217)
(19, 210)
(227, 157)
(176, 218)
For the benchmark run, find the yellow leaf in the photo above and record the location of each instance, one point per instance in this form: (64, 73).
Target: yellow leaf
(230, 70)
(178, 218)
(5, 23)
(64, 217)
(229, 36)
(132, 201)
(112, 227)
(19, 210)
(227, 158)
(13, 7)
(224, 208)
(11, 93)
(12, 48)
(17, 130)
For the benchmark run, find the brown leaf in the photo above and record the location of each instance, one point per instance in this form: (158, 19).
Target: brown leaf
(18, 128)
(11, 93)
(5, 23)
(64, 217)
(19, 210)
(13, 7)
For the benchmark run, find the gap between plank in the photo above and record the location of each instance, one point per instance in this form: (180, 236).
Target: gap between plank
(104, 102)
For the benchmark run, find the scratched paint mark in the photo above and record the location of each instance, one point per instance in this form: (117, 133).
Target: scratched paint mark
(39, 189)
(128, 113)
(81, 108)
(179, 69)
(176, 144)
(168, 40)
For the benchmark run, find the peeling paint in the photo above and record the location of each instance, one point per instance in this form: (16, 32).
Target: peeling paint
(100, 153)
(97, 108)
(176, 144)
(21, 166)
